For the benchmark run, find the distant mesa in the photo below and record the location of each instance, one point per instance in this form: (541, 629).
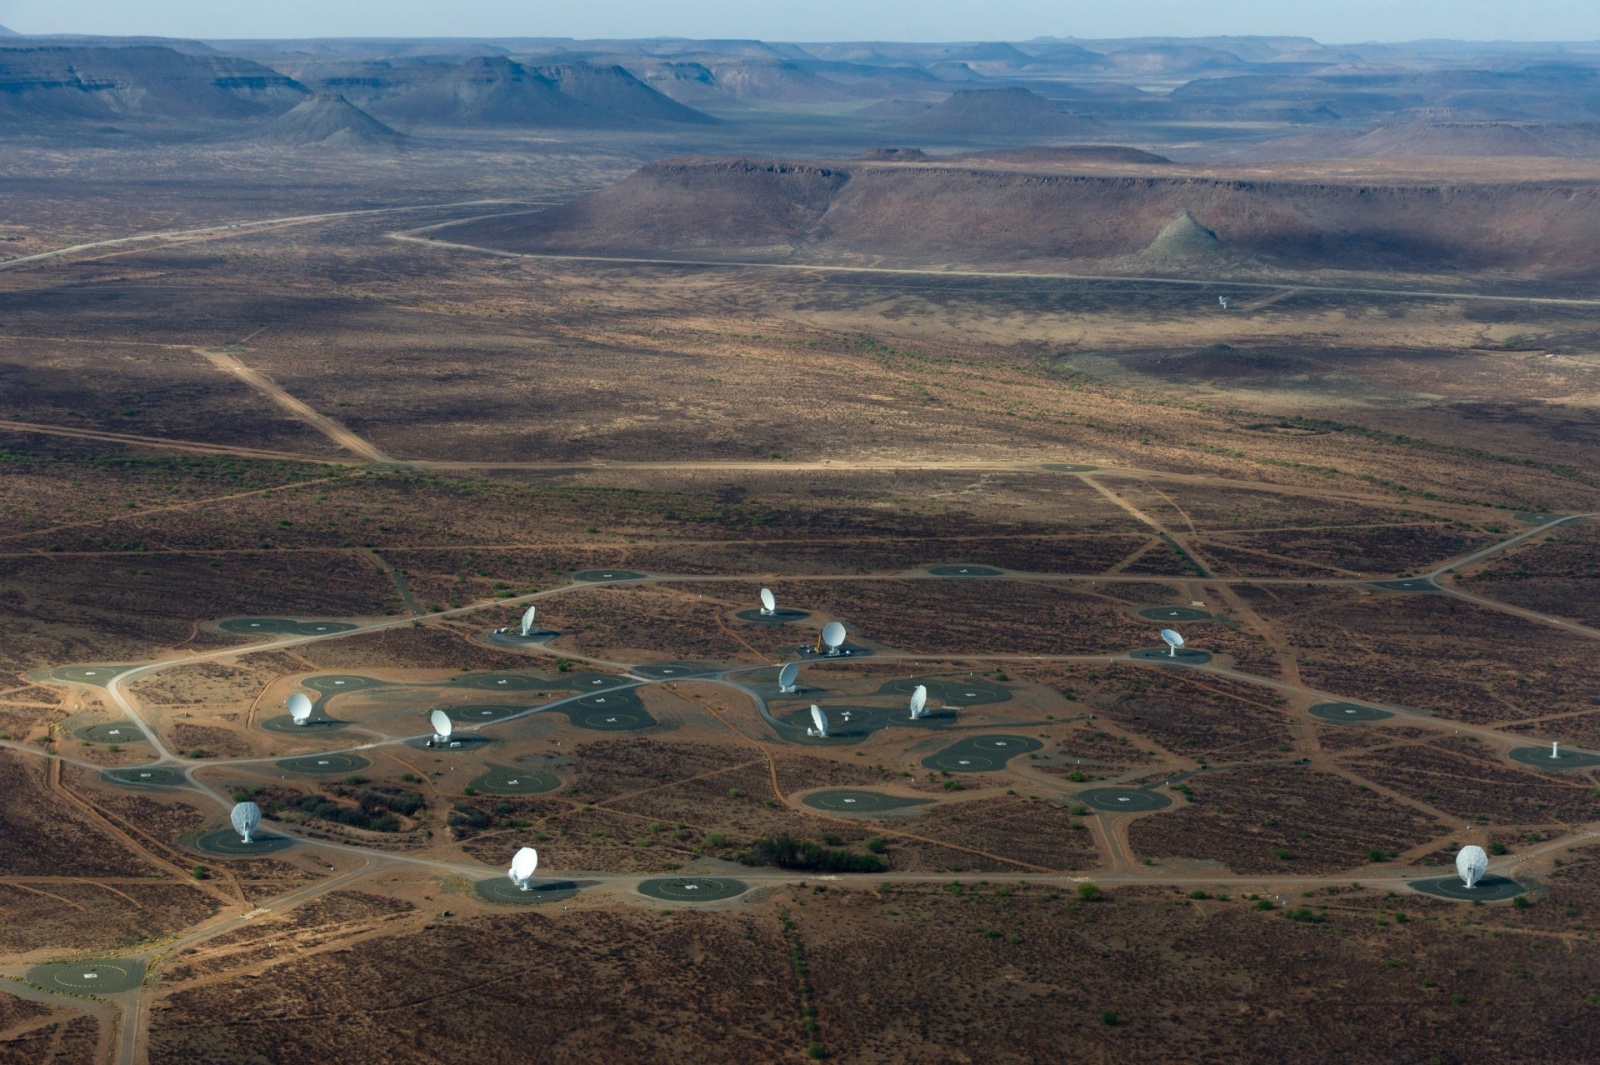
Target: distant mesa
(998, 113)
(495, 91)
(327, 120)
(1406, 140)
(1066, 154)
(4, 32)
(894, 155)
(138, 82)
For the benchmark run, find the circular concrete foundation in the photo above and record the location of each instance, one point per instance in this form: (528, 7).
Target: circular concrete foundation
(777, 617)
(458, 742)
(227, 844)
(598, 575)
(1539, 758)
(282, 627)
(500, 889)
(675, 670)
(1164, 656)
(981, 754)
(154, 777)
(509, 780)
(864, 803)
(1405, 584)
(315, 725)
(1490, 889)
(953, 692)
(692, 888)
(1348, 713)
(607, 711)
(323, 764)
(1069, 467)
(477, 714)
(97, 675)
(339, 683)
(111, 732)
(1174, 613)
(500, 682)
(965, 571)
(1122, 800)
(106, 976)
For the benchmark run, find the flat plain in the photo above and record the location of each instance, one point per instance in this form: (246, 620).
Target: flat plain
(342, 454)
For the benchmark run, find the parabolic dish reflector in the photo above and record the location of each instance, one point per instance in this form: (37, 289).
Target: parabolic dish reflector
(527, 620)
(1172, 639)
(768, 600)
(833, 634)
(299, 708)
(919, 701)
(819, 719)
(246, 816)
(788, 674)
(523, 865)
(440, 722)
(1472, 863)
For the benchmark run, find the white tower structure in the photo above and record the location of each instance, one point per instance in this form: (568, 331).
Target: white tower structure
(522, 867)
(819, 722)
(246, 817)
(1472, 863)
(442, 727)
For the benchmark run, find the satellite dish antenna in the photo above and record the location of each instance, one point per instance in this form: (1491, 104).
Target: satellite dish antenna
(527, 620)
(299, 708)
(919, 702)
(522, 867)
(1555, 750)
(833, 636)
(787, 676)
(246, 816)
(1173, 641)
(769, 602)
(442, 727)
(820, 722)
(1472, 863)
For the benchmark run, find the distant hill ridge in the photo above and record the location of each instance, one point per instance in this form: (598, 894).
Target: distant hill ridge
(998, 113)
(934, 214)
(327, 120)
(141, 81)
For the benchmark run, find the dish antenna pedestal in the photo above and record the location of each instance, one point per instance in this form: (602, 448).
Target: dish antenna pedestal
(442, 727)
(769, 603)
(246, 817)
(1472, 863)
(522, 867)
(787, 676)
(819, 723)
(1555, 749)
(1173, 641)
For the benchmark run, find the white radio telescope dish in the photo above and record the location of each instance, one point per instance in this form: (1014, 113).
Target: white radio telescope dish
(769, 602)
(820, 721)
(919, 702)
(1472, 863)
(787, 676)
(246, 816)
(527, 620)
(1173, 641)
(299, 708)
(522, 867)
(833, 636)
(442, 726)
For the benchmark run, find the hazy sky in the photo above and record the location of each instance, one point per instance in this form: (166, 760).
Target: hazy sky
(816, 20)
